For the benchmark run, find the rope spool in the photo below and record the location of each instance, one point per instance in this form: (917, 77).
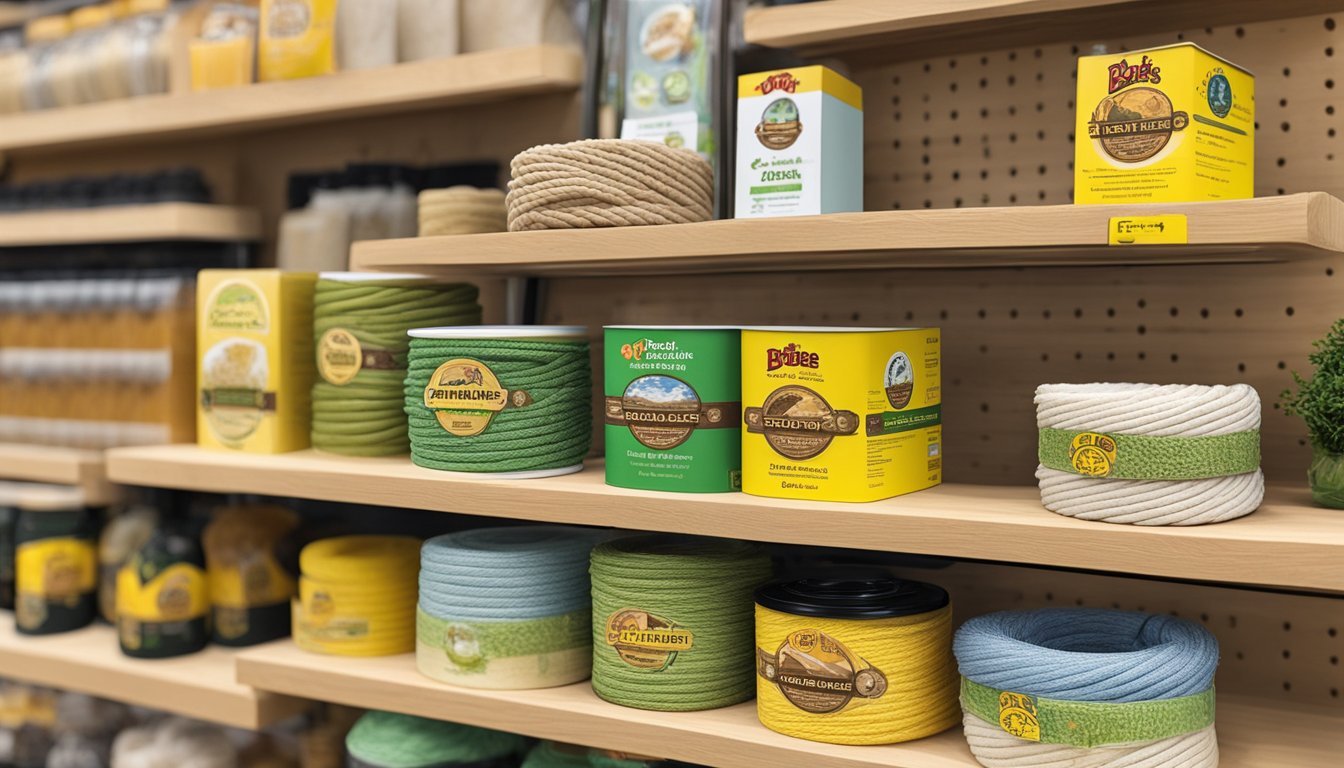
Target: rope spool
(855, 660)
(1148, 454)
(250, 587)
(608, 183)
(359, 329)
(357, 596)
(515, 400)
(1086, 687)
(389, 740)
(550, 754)
(672, 621)
(506, 608)
(462, 210)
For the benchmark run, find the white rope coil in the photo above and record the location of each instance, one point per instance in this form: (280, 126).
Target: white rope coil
(608, 183)
(1171, 410)
(995, 748)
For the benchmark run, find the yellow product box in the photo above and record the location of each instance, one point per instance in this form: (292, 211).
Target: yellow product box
(1164, 125)
(297, 39)
(841, 414)
(254, 335)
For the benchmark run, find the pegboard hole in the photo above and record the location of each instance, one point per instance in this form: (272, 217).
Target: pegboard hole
(1110, 355)
(1289, 311)
(1241, 367)
(1174, 311)
(1332, 632)
(1175, 358)
(1287, 686)
(1287, 626)
(1240, 656)
(1204, 312)
(1239, 312)
(1287, 654)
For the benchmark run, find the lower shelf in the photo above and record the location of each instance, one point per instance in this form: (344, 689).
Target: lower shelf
(201, 685)
(62, 466)
(1252, 734)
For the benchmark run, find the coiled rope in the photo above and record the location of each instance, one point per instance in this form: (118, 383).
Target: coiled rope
(506, 608)
(1184, 454)
(608, 183)
(358, 410)
(1087, 687)
(549, 754)
(462, 210)
(389, 740)
(357, 596)
(673, 622)
(552, 431)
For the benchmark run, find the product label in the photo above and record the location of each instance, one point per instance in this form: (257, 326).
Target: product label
(798, 423)
(661, 412)
(234, 376)
(161, 611)
(339, 356)
(1135, 125)
(817, 673)
(237, 305)
(668, 97)
(553, 647)
(465, 396)
(55, 582)
(250, 597)
(646, 641)
(899, 380)
(1170, 229)
(1093, 454)
(1017, 715)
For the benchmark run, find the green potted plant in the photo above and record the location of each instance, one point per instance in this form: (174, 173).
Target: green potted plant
(1320, 402)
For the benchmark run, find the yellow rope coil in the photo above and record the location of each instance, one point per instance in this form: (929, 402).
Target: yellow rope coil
(357, 596)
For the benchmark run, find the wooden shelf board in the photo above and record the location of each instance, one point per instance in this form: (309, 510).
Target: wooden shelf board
(1287, 543)
(1260, 230)
(912, 29)
(201, 685)
(1252, 733)
(62, 466)
(164, 221)
(472, 78)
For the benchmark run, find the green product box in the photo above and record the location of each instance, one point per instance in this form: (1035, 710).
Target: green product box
(673, 408)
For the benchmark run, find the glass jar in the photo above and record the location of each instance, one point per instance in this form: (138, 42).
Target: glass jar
(56, 562)
(1326, 476)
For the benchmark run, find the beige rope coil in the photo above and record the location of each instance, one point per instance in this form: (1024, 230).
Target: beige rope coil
(608, 183)
(461, 210)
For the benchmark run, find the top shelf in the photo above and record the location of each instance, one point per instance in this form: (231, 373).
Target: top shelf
(912, 29)
(1262, 230)
(472, 78)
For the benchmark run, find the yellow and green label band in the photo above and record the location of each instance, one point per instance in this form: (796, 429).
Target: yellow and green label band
(1144, 457)
(1087, 724)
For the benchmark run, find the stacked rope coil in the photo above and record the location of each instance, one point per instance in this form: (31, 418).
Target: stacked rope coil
(506, 608)
(359, 328)
(503, 399)
(1087, 687)
(550, 754)
(608, 183)
(462, 210)
(673, 623)
(1148, 454)
(357, 596)
(390, 740)
(855, 659)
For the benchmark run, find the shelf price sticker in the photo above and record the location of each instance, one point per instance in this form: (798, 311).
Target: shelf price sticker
(1168, 229)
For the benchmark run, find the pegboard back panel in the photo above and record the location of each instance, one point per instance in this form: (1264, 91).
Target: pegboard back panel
(996, 128)
(1273, 645)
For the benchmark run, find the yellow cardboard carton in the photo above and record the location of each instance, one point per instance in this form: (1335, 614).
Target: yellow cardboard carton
(841, 414)
(255, 340)
(1163, 125)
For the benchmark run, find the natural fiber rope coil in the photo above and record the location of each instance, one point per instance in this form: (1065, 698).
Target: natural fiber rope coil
(506, 608)
(673, 623)
(390, 740)
(359, 327)
(462, 210)
(499, 399)
(1149, 454)
(608, 183)
(357, 596)
(1150, 673)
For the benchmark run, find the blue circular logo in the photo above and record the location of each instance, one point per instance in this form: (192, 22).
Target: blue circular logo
(1220, 95)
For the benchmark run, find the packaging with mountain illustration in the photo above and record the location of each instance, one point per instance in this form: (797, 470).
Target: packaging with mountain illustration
(1164, 125)
(799, 143)
(255, 374)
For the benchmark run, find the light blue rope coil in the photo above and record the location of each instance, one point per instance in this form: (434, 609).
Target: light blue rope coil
(1082, 654)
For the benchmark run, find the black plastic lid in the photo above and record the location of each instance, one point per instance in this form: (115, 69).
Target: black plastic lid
(852, 595)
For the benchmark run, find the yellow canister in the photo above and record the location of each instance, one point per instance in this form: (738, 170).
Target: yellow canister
(841, 414)
(855, 659)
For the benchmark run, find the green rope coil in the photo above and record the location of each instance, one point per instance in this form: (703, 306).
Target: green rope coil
(549, 754)
(365, 416)
(554, 430)
(675, 591)
(390, 740)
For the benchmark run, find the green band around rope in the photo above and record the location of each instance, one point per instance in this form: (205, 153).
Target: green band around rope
(1143, 457)
(1091, 724)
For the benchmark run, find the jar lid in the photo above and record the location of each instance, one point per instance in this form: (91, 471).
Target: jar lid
(851, 595)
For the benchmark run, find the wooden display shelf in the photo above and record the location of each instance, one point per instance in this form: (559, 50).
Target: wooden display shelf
(472, 78)
(1287, 543)
(132, 223)
(1261, 230)
(201, 685)
(1252, 733)
(62, 466)
(912, 29)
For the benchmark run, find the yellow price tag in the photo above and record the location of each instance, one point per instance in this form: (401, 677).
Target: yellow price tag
(1169, 229)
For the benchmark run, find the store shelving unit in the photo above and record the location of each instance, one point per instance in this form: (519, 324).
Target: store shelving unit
(201, 685)
(1292, 543)
(1251, 733)
(1265, 229)
(84, 469)
(117, 224)
(473, 78)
